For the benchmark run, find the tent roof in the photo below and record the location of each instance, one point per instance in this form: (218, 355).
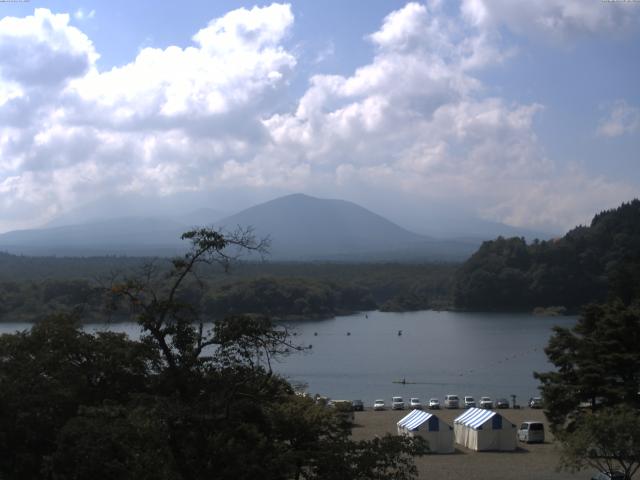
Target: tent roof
(475, 417)
(414, 419)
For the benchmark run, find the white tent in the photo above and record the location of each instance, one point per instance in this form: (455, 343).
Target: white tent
(437, 433)
(479, 429)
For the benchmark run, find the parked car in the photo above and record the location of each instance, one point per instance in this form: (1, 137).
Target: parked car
(397, 403)
(485, 402)
(434, 404)
(358, 406)
(415, 404)
(451, 401)
(469, 401)
(531, 432)
(502, 403)
(608, 476)
(379, 405)
(535, 402)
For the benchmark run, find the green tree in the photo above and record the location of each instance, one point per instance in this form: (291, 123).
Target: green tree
(597, 363)
(591, 399)
(226, 404)
(607, 441)
(48, 373)
(187, 401)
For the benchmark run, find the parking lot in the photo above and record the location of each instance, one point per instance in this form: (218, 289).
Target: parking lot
(529, 461)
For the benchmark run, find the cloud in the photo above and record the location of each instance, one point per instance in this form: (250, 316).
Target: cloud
(559, 202)
(554, 20)
(43, 50)
(236, 58)
(621, 119)
(82, 14)
(415, 121)
(328, 51)
(164, 123)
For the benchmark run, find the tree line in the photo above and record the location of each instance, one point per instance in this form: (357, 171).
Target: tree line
(281, 290)
(592, 397)
(589, 264)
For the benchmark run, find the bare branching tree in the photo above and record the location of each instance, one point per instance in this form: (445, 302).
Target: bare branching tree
(173, 325)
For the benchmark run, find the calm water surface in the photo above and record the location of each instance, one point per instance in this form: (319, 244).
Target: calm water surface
(360, 356)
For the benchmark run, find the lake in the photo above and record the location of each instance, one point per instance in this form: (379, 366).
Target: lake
(438, 353)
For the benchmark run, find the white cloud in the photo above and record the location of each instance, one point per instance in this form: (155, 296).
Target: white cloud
(236, 59)
(166, 122)
(82, 14)
(43, 50)
(555, 20)
(621, 119)
(559, 202)
(328, 51)
(416, 120)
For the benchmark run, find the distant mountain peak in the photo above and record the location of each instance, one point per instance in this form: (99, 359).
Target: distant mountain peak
(301, 227)
(306, 227)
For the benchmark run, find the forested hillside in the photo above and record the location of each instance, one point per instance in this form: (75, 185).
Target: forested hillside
(588, 264)
(34, 287)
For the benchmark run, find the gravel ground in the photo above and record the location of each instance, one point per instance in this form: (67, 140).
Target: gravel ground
(528, 462)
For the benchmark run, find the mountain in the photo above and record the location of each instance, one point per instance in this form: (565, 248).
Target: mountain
(446, 221)
(307, 228)
(197, 217)
(120, 236)
(300, 228)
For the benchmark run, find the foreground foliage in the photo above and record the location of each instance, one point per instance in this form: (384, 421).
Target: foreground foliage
(597, 363)
(186, 401)
(607, 441)
(592, 399)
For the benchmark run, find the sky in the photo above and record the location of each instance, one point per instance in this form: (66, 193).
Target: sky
(524, 113)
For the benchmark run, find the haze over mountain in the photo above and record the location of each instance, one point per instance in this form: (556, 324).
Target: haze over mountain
(120, 236)
(304, 227)
(300, 227)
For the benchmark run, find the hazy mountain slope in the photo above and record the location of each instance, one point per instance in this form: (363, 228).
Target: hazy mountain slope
(300, 225)
(198, 217)
(131, 236)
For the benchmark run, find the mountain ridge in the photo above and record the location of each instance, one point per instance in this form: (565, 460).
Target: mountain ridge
(301, 228)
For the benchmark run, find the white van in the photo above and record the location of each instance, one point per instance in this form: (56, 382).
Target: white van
(451, 401)
(531, 432)
(397, 403)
